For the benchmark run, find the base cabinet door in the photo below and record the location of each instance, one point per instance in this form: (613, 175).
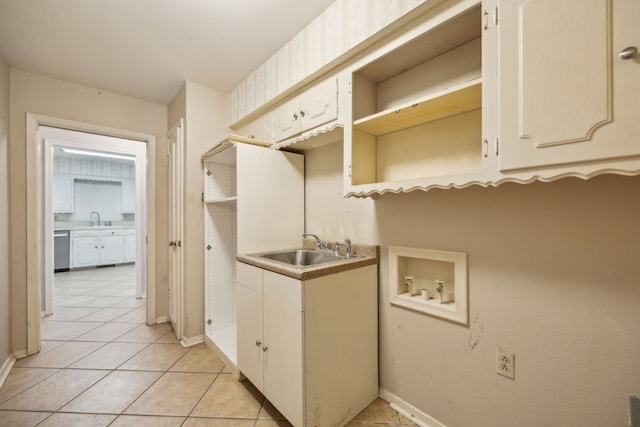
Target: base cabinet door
(86, 252)
(566, 96)
(283, 359)
(249, 323)
(111, 250)
(129, 248)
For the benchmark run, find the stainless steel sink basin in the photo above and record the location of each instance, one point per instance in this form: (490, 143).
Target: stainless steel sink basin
(302, 257)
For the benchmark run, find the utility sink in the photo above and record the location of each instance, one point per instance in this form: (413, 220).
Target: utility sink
(302, 257)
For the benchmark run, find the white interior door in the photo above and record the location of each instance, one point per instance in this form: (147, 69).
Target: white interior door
(175, 164)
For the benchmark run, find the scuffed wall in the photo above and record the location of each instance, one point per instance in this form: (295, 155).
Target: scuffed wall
(553, 277)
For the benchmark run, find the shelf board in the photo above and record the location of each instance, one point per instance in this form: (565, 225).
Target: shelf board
(446, 103)
(222, 201)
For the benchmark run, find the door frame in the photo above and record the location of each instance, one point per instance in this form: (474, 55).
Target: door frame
(35, 213)
(64, 138)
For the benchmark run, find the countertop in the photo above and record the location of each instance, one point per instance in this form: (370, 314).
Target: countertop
(94, 227)
(363, 255)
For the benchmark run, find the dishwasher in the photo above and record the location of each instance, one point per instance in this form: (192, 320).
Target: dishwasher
(61, 250)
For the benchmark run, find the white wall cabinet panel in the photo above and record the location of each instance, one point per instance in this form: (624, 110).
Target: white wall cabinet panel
(314, 107)
(128, 195)
(566, 95)
(62, 193)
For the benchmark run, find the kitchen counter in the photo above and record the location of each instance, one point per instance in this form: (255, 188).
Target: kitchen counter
(363, 255)
(94, 227)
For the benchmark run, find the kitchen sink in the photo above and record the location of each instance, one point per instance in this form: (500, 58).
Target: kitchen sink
(302, 257)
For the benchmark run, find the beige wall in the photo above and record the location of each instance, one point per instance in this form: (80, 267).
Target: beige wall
(5, 301)
(31, 93)
(553, 277)
(205, 114)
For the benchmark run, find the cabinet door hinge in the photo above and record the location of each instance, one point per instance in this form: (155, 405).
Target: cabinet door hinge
(202, 197)
(349, 171)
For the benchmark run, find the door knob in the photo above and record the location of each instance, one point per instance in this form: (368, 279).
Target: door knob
(628, 52)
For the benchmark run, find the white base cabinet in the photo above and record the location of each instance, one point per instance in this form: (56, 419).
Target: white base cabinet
(311, 347)
(90, 248)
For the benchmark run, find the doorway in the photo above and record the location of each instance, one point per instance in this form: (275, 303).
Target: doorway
(90, 197)
(40, 217)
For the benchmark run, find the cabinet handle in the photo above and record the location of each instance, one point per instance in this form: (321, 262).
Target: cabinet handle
(264, 349)
(258, 343)
(302, 113)
(172, 243)
(295, 116)
(485, 16)
(628, 52)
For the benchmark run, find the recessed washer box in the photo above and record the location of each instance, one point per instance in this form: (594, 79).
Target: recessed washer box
(443, 274)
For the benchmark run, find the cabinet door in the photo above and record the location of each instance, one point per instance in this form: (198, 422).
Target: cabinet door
(129, 248)
(286, 120)
(86, 251)
(319, 105)
(250, 342)
(111, 250)
(283, 359)
(565, 95)
(62, 193)
(128, 195)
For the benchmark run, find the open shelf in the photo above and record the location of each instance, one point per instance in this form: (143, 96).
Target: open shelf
(417, 110)
(223, 201)
(450, 102)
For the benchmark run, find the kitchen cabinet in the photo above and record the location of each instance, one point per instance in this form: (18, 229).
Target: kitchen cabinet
(128, 195)
(462, 97)
(566, 97)
(310, 346)
(91, 248)
(129, 245)
(417, 108)
(253, 201)
(314, 107)
(62, 193)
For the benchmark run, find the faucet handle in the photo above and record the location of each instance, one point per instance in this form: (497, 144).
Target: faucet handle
(348, 243)
(337, 250)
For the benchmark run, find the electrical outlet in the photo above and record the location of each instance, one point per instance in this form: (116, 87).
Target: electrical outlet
(506, 363)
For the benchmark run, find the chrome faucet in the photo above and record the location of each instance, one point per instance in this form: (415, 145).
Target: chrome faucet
(320, 244)
(91, 214)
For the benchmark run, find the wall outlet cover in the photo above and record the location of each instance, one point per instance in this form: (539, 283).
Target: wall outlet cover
(505, 363)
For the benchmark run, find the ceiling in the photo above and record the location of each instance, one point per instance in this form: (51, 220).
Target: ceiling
(147, 48)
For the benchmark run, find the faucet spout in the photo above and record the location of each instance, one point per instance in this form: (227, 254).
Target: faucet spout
(319, 243)
(91, 214)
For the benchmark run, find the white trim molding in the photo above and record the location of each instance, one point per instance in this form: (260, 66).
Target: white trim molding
(411, 412)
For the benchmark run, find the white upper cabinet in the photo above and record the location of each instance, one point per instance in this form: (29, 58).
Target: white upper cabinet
(62, 193)
(566, 96)
(128, 195)
(314, 107)
(417, 107)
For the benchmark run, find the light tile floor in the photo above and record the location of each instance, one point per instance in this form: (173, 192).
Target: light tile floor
(101, 365)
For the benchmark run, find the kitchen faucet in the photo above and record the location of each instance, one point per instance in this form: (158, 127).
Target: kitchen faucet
(319, 243)
(91, 214)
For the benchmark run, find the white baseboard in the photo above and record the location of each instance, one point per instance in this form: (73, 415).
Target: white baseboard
(188, 342)
(6, 368)
(162, 319)
(411, 412)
